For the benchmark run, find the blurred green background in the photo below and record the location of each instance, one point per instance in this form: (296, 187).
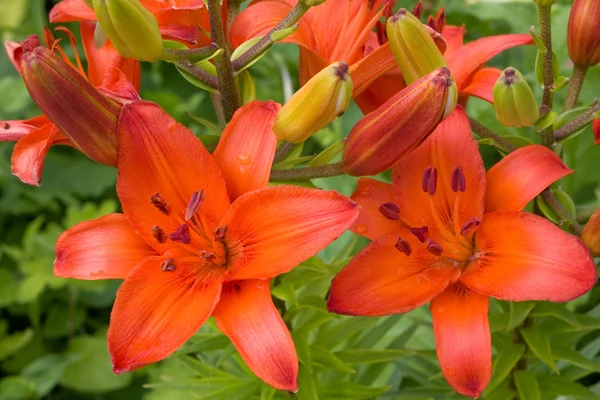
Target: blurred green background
(52, 331)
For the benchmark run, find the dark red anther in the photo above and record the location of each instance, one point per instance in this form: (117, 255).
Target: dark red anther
(219, 233)
(159, 202)
(403, 246)
(421, 233)
(388, 8)
(390, 210)
(181, 235)
(440, 19)
(457, 180)
(194, 204)
(159, 234)
(469, 226)
(432, 23)
(418, 9)
(434, 248)
(209, 257)
(429, 181)
(168, 265)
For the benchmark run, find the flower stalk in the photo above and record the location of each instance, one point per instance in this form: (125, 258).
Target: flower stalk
(199, 74)
(579, 72)
(485, 132)
(560, 211)
(578, 123)
(190, 54)
(306, 173)
(547, 98)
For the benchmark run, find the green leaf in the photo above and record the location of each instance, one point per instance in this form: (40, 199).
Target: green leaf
(328, 154)
(324, 357)
(575, 358)
(302, 348)
(527, 385)
(556, 310)
(289, 163)
(505, 361)
(371, 356)
(307, 388)
(553, 386)
(285, 292)
(47, 370)
(350, 390)
(8, 288)
(546, 121)
(92, 372)
(11, 344)
(539, 343)
(518, 312)
(16, 388)
(563, 199)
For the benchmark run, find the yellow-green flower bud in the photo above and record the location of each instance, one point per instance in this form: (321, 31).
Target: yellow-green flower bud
(545, 3)
(131, 28)
(415, 50)
(514, 101)
(312, 3)
(322, 99)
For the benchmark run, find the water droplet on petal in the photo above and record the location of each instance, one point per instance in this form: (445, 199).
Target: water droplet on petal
(361, 229)
(365, 191)
(244, 158)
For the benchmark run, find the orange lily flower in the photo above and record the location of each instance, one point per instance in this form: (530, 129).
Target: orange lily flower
(113, 75)
(350, 22)
(201, 235)
(465, 61)
(446, 232)
(178, 20)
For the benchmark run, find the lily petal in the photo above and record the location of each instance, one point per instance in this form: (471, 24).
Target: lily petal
(309, 64)
(71, 11)
(159, 155)
(157, 311)
(449, 146)
(27, 162)
(103, 248)
(247, 148)
(520, 176)
(371, 67)
(370, 194)
(482, 84)
(380, 280)
(454, 37)
(271, 230)
(379, 91)
(469, 58)
(11, 131)
(521, 256)
(246, 314)
(462, 339)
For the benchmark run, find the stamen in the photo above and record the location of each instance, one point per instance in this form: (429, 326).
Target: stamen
(434, 248)
(469, 226)
(159, 234)
(457, 181)
(429, 181)
(159, 202)
(194, 204)
(168, 265)
(219, 233)
(421, 233)
(403, 246)
(209, 257)
(181, 235)
(390, 210)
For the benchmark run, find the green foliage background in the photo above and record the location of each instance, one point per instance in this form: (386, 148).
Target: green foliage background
(52, 331)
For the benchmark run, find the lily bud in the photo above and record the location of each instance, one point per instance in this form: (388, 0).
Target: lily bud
(596, 130)
(415, 50)
(321, 100)
(514, 101)
(591, 234)
(312, 3)
(80, 111)
(583, 34)
(131, 28)
(380, 139)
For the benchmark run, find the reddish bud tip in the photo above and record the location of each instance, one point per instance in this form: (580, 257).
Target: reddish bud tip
(457, 181)
(583, 33)
(421, 233)
(390, 210)
(403, 246)
(429, 181)
(181, 235)
(434, 248)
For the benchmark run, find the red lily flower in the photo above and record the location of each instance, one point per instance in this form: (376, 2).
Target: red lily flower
(201, 235)
(349, 21)
(465, 62)
(446, 232)
(106, 70)
(178, 20)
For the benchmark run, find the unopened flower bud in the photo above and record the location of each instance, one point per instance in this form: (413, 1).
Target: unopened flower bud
(323, 98)
(415, 50)
(596, 130)
(514, 101)
(78, 109)
(381, 138)
(312, 3)
(591, 234)
(131, 28)
(583, 34)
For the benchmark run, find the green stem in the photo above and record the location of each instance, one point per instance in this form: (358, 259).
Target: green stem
(483, 131)
(218, 105)
(578, 123)
(547, 98)
(560, 211)
(227, 82)
(306, 173)
(282, 151)
(294, 15)
(190, 54)
(575, 85)
(199, 73)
